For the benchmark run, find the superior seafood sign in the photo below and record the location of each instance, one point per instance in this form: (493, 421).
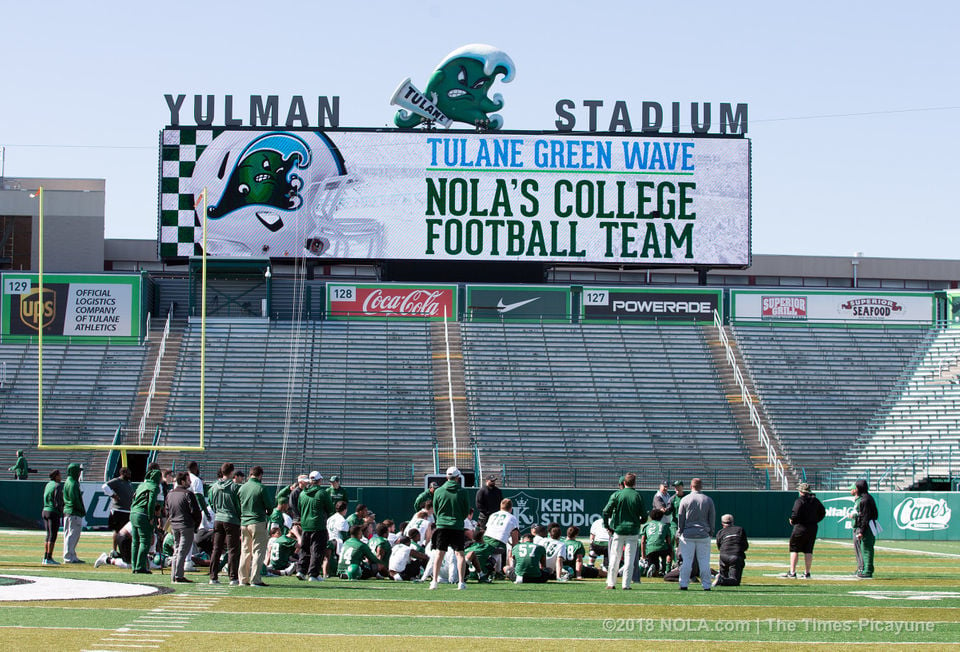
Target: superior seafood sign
(873, 308)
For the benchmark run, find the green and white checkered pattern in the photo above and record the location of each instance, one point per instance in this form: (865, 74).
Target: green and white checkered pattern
(180, 227)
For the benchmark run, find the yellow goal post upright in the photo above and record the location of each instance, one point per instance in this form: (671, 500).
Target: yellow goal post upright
(123, 448)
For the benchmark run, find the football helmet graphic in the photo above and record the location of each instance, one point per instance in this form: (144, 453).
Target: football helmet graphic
(275, 194)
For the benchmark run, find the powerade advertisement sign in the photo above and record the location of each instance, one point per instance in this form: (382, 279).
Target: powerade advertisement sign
(644, 305)
(94, 307)
(373, 301)
(518, 303)
(915, 515)
(455, 196)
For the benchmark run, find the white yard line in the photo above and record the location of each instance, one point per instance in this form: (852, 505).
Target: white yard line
(906, 551)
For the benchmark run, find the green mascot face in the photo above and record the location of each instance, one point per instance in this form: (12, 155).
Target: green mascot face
(264, 175)
(260, 178)
(461, 89)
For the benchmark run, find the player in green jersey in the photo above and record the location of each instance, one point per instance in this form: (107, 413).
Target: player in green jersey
(280, 549)
(380, 545)
(656, 544)
(353, 555)
(574, 551)
(479, 556)
(530, 561)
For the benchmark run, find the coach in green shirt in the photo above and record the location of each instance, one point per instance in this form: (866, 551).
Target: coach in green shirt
(143, 508)
(623, 516)
(315, 508)
(256, 503)
(225, 500)
(337, 491)
(450, 508)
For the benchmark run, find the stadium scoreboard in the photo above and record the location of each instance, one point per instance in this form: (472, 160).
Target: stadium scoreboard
(387, 194)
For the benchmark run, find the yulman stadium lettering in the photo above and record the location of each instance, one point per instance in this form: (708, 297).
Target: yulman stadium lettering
(263, 112)
(732, 118)
(284, 181)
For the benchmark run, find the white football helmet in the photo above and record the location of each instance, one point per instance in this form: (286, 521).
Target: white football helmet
(270, 194)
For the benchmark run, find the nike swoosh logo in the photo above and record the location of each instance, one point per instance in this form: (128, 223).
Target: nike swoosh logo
(502, 308)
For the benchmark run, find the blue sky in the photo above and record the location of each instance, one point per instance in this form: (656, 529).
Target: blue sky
(854, 106)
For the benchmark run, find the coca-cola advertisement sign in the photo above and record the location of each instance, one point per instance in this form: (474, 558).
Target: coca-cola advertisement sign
(433, 302)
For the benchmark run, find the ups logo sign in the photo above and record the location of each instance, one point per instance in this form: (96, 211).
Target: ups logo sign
(36, 312)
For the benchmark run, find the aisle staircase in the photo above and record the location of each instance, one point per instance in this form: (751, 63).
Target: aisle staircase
(759, 455)
(443, 383)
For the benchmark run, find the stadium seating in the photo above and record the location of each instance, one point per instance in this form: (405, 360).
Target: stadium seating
(584, 399)
(821, 386)
(548, 404)
(360, 397)
(89, 390)
(917, 431)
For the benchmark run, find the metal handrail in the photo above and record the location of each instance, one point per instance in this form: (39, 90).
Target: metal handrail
(747, 400)
(142, 428)
(453, 419)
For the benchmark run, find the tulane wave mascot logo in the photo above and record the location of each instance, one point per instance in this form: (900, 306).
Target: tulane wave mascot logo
(457, 91)
(264, 175)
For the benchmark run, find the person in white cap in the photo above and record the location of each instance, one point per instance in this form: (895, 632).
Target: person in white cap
(450, 508)
(293, 501)
(315, 509)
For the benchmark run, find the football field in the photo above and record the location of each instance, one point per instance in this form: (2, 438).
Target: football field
(913, 602)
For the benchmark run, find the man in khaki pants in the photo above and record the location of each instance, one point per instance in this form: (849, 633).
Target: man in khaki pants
(256, 503)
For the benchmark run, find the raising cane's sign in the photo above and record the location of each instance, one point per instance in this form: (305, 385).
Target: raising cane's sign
(432, 302)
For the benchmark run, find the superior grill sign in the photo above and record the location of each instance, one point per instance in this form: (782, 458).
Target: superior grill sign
(784, 307)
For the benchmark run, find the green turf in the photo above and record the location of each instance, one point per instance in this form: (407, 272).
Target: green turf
(770, 611)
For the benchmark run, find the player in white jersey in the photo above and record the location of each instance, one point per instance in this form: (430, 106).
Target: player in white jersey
(556, 554)
(422, 521)
(540, 537)
(338, 529)
(406, 562)
(599, 541)
(503, 530)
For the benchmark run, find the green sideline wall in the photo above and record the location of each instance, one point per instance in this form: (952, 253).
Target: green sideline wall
(764, 514)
